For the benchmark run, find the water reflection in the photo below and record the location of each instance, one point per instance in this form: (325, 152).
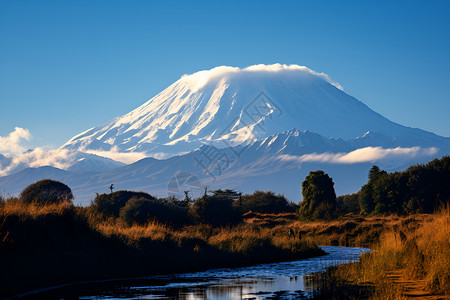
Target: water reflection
(288, 280)
(238, 288)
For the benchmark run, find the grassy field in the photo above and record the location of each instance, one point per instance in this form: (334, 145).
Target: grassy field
(53, 244)
(45, 245)
(350, 230)
(411, 259)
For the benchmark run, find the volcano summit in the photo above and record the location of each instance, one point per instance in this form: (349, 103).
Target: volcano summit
(228, 106)
(272, 123)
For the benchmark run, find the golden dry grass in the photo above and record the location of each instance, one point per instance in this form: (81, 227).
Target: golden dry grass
(153, 230)
(241, 238)
(414, 250)
(17, 208)
(417, 245)
(56, 243)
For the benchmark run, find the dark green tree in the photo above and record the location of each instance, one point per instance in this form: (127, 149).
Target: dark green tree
(348, 204)
(375, 172)
(319, 197)
(420, 189)
(366, 197)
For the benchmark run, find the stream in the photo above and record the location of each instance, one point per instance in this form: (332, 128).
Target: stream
(286, 280)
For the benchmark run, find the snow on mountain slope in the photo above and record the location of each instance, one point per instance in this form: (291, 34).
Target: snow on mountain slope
(228, 106)
(86, 163)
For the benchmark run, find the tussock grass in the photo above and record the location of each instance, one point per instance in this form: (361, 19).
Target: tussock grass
(66, 241)
(238, 239)
(152, 230)
(432, 253)
(49, 244)
(30, 210)
(412, 250)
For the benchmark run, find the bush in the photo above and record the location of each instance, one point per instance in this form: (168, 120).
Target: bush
(264, 202)
(110, 204)
(46, 191)
(142, 211)
(216, 210)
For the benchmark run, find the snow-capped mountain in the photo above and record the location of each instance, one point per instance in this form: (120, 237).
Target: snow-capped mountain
(229, 106)
(261, 127)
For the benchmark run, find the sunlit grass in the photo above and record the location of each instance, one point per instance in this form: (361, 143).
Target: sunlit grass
(14, 207)
(243, 238)
(417, 245)
(413, 249)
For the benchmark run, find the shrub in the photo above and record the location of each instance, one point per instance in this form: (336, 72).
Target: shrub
(46, 191)
(264, 202)
(142, 210)
(215, 210)
(110, 204)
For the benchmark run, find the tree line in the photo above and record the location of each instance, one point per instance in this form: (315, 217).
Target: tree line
(419, 189)
(216, 207)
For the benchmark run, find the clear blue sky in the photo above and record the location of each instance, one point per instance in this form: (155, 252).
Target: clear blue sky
(66, 66)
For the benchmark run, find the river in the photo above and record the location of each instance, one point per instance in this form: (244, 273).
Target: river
(286, 280)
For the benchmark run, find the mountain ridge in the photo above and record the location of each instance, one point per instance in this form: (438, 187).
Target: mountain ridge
(278, 163)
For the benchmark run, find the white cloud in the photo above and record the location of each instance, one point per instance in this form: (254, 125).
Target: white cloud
(12, 142)
(203, 77)
(125, 157)
(15, 158)
(280, 67)
(39, 157)
(368, 154)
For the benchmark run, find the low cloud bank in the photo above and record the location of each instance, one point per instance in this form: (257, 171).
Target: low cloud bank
(124, 157)
(368, 154)
(38, 157)
(13, 157)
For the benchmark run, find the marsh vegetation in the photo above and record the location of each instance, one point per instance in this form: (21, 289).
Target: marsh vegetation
(46, 240)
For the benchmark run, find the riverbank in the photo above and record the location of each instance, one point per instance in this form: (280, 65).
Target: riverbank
(47, 245)
(283, 280)
(55, 244)
(347, 231)
(411, 260)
